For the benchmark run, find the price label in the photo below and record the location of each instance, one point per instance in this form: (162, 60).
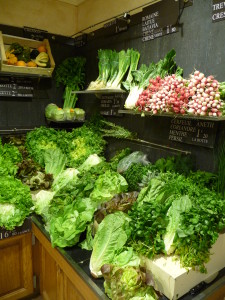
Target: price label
(196, 132)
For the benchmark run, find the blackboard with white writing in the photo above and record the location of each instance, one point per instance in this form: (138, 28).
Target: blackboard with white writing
(34, 33)
(110, 104)
(195, 132)
(159, 19)
(24, 228)
(16, 87)
(218, 10)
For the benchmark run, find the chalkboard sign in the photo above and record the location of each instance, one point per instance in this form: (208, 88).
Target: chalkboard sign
(218, 10)
(34, 33)
(26, 227)
(159, 19)
(110, 104)
(16, 87)
(195, 132)
(118, 25)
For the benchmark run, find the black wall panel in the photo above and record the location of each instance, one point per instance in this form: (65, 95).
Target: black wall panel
(199, 44)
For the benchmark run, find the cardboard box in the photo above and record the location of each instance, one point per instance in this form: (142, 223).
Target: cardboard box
(174, 281)
(7, 40)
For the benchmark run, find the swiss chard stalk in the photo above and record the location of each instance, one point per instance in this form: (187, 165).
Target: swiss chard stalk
(124, 63)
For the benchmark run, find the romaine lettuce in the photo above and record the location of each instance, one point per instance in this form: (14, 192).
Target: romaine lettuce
(110, 238)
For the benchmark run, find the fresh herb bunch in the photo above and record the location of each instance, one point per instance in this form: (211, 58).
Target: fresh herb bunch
(71, 74)
(181, 164)
(134, 175)
(198, 226)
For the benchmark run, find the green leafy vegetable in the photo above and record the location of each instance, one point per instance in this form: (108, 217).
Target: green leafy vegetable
(40, 139)
(111, 236)
(120, 154)
(193, 224)
(112, 67)
(66, 226)
(174, 213)
(79, 114)
(122, 283)
(136, 157)
(82, 142)
(64, 178)
(107, 185)
(49, 110)
(41, 202)
(163, 67)
(134, 175)
(9, 159)
(71, 74)
(120, 202)
(55, 161)
(15, 202)
(91, 161)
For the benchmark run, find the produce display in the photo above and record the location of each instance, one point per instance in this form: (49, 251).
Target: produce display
(23, 56)
(122, 210)
(159, 87)
(198, 96)
(15, 197)
(71, 74)
(114, 67)
(58, 114)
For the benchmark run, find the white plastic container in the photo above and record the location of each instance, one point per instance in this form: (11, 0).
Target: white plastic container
(174, 281)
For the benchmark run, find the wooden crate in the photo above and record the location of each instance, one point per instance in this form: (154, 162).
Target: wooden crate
(7, 40)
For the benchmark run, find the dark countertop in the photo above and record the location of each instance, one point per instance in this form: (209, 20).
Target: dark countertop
(79, 259)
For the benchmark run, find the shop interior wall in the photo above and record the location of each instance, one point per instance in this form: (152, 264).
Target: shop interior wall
(198, 44)
(92, 12)
(54, 16)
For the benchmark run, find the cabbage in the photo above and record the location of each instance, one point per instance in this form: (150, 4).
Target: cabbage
(79, 114)
(58, 114)
(69, 114)
(50, 108)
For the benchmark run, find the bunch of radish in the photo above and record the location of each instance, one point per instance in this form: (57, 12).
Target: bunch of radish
(170, 94)
(199, 95)
(144, 99)
(205, 96)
